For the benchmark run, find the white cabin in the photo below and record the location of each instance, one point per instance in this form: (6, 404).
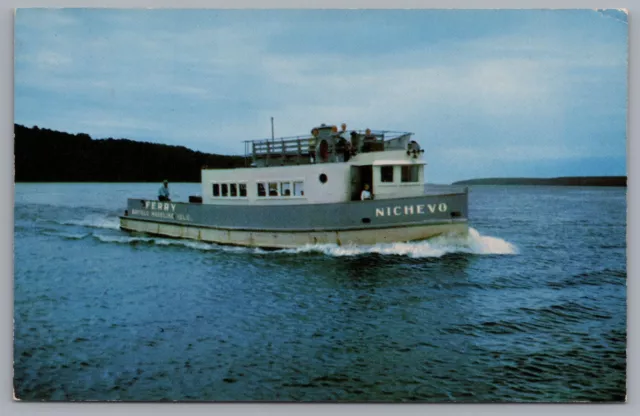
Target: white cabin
(324, 168)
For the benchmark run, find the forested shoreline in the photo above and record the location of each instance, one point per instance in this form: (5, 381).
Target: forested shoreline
(43, 155)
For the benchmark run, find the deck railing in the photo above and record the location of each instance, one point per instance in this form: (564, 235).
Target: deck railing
(284, 146)
(305, 145)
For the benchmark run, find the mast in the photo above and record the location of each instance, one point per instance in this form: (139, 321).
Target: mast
(272, 137)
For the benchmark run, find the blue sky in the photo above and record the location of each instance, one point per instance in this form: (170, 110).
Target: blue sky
(487, 92)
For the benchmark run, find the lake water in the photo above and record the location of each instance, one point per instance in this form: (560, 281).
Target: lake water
(531, 306)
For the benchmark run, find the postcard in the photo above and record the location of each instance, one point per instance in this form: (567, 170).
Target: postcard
(320, 205)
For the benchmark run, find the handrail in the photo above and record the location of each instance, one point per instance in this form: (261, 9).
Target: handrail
(282, 146)
(389, 135)
(302, 148)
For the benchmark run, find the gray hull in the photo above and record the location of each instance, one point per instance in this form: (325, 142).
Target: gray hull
(286, 226)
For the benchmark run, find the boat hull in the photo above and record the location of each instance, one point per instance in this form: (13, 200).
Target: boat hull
(286, 226)
(288, 239)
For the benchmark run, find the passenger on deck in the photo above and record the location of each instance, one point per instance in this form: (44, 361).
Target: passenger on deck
(312, 150)
(365, 194)
(163, 192)
(342, 154)
(348, 151)
(355, 143)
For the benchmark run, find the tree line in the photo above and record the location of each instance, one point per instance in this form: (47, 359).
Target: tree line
(43, 155)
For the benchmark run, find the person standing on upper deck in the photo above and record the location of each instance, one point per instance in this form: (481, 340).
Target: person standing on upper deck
(163, 192)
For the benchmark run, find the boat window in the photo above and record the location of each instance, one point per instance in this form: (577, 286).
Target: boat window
(216, 189)
(298, 188)
(261, 190)
(273, 189)
(386, 173)
(243, 189)
(224, 189)
(411, 173)
(285, 189)
(233, 189)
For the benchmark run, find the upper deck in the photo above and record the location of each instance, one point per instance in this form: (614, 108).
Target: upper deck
(325, 144)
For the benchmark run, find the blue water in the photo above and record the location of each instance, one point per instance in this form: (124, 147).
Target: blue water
(531, 306)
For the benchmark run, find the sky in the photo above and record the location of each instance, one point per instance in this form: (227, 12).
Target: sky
(488, 93)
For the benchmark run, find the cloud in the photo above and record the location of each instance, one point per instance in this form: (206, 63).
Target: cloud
(44, 20)
(47, 60)
(511, 82)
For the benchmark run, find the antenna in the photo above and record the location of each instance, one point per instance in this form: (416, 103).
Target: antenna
(272, 137)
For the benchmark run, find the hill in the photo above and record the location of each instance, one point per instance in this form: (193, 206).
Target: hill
(43, 155)
(563, 181)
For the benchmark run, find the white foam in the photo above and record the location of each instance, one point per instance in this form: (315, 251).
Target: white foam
(73, 236)
(70, 236)
(159, 241)
(186, 243)
(473, 243)
(122, 239)
(489, 245)
(96, 221)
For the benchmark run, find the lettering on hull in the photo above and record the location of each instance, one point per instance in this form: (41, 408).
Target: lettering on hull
(418, 209)
(160, 206)
(162, 210)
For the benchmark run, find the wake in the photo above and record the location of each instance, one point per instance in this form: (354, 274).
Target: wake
(96, 221)
(472, 243)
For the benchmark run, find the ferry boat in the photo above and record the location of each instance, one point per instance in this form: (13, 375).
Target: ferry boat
(307, 190)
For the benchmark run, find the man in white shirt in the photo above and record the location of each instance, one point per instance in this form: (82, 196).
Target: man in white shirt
(163, 192)
(365, 194)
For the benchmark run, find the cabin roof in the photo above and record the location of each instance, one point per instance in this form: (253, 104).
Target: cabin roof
(398, 162)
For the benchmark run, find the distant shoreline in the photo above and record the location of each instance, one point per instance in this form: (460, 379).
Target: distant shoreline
(49, 156)
(619, 181)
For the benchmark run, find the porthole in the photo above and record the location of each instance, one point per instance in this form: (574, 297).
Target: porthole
(323, 178)
(366, 220)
